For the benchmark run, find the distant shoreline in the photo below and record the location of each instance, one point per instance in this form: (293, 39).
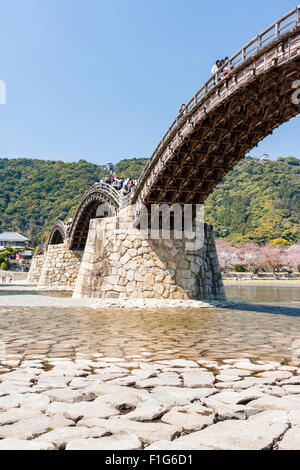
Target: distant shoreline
(262, 283)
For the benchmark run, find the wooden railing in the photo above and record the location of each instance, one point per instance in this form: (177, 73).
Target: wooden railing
(285, 24)
(122, 201)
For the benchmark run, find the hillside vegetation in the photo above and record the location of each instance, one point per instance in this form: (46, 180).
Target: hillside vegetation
(36, 193)
(257, 201)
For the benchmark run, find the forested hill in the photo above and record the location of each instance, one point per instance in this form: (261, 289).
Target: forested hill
(257, 201)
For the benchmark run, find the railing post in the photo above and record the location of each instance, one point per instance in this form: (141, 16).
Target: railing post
(243, 54)
(298, 15)
(277, 32)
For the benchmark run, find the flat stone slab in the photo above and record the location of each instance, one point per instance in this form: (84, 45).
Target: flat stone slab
(295, 380)
(147, 411)
(146, 432)
(188, 421)
(17, 444)
(237, 435)
(291, 440)
(61, 436)
(175, 396)
(95, 409)
(49, 382)
(277, 416)
(179, 363)
(33, 427)
(239, 398)
(277, 376)
(247, 365)
(124, 398)
(292, 389)
(117, 442)
(198, 379)
(229, 411)
(273, 403)
(227, 378)
(14, 415)
(77, 411)
(67, 395)
(167, 379)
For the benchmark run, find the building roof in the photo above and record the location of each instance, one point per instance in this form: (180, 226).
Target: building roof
(12, 237)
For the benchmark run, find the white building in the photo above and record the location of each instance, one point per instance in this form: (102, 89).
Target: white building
(13, 239)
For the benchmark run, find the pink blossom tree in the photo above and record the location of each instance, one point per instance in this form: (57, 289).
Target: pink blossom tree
(291, 258)
(271, 258)
(228, 255)
(250, 256)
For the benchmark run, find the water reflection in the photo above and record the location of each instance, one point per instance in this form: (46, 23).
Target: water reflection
(263, 293)
(213, 333)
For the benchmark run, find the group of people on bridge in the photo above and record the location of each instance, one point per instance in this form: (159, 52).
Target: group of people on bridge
(221, 69)
(124, 186)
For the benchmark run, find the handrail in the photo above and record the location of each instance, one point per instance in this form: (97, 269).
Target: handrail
(259, 42)
(121, 200)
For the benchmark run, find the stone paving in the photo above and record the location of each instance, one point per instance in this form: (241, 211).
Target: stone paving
(134, 402)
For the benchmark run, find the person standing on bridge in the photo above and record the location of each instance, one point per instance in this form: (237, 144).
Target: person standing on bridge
(183, 110)
(215, 70)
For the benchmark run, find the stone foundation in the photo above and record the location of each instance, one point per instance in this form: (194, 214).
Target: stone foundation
(122, 263)
(59, 267)
(36, 267)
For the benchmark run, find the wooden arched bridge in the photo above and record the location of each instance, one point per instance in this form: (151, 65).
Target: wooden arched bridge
(223, 121)
(226, 118)
(101, 194)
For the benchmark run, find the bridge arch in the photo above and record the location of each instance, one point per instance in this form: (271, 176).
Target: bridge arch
(226, 118)
(58, 234)
(100, 196)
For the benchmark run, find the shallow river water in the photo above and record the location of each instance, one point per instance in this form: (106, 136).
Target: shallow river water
(263, 327)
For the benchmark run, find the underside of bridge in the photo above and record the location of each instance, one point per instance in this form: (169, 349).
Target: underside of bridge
(58, 234)
(57, 237)
(88, 210)
(230, 121)
(225, 136)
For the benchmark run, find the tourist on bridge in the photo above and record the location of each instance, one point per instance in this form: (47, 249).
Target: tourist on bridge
(69, 225)
(227, 67)
(216, 69)
(183, 110)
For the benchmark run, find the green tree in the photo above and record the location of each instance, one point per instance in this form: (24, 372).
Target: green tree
(4, 266)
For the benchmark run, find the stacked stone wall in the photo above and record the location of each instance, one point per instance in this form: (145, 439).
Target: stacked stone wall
(58, 267)
(35, 271)
(120, 262)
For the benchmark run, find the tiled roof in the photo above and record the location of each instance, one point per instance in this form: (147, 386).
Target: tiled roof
(12, 237)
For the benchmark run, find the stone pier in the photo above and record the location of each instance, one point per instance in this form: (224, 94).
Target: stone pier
(57, 267)
(121, 262)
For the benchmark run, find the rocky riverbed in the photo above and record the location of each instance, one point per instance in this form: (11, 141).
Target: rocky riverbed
(133, 402)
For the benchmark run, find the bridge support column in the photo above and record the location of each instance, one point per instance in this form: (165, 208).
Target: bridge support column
(58, 267)
(120, 262)
(35, 271)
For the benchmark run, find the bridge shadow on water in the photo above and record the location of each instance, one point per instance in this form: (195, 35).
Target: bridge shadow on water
(265, 308)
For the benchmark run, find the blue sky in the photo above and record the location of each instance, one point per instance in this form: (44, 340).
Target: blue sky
(103, 80)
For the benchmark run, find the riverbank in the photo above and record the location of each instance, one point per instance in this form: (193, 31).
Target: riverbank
(25, 299)
(262, 283)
